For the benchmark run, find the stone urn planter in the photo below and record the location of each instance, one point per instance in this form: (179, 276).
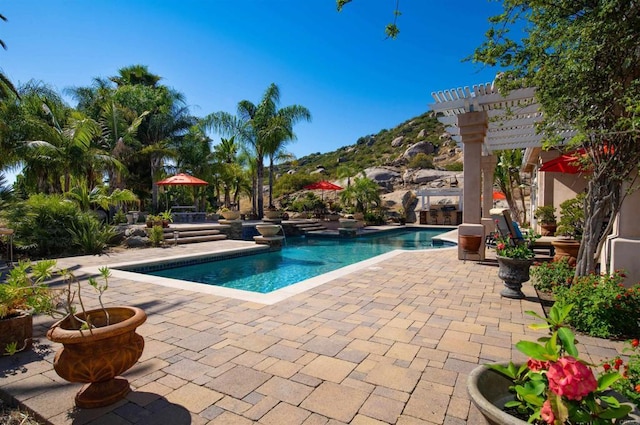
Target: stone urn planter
(268, 230)
(566, 248)
(97, 356)
(489, 391)
(230, 215)
(348, 223)
(513, 272)
(272, 214)
(548, 229)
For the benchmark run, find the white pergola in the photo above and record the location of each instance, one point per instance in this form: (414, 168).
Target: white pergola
(482, 121)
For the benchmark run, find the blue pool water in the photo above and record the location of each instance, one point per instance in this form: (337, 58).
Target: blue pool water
(302, 258)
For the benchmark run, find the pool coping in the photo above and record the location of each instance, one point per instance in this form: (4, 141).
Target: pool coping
(269, 298)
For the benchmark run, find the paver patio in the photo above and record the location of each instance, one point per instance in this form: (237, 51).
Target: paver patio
(390, 343)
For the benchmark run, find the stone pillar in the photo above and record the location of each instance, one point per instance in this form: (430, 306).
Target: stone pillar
(473, 128)
(488, 166)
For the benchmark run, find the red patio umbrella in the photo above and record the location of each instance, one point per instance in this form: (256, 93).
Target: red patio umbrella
(568, 163)
(182, 179)
(322, 185)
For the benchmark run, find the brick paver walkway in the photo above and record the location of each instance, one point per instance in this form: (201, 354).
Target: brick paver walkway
(392, 343)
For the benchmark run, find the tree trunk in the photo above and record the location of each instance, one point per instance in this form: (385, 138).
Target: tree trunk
(260, 184)
(270, 181)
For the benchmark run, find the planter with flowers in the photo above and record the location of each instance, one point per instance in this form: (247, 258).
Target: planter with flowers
(555, 386)
(515, 257)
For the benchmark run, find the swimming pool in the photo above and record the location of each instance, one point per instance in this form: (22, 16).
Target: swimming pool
(302, 258)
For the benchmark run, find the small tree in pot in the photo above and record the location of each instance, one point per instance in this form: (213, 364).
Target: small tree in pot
(98, 345)
(546, 215)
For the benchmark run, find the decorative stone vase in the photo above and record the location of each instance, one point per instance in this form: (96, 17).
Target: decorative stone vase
(566, 248)
(348, 223)
(514, 272)
(97, 356)
(18, 329)
(230, 215)
(268, 230)
(489, 391)
(272, 214)
(470, 243)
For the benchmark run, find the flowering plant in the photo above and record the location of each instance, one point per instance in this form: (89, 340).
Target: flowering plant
(519, 249)
(555, 386)
(629, 385)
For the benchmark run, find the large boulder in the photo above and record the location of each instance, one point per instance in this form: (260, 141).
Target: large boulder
(421, 147)
(381, 174)
(397, 141)
(137, 242)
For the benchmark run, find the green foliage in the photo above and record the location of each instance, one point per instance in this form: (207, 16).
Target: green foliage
(545, 214)
(41, 224)
(455, 166)
(25, 288)
(554, 383)
(363, 194)
(374, 218)
(421, 160)
(156, 235)
(309, 202)
(629, 384)
(119, 217)
(89, 235)
(520, 250)
(546, 276)
(572, 217)
(291, 183)
(603, 306)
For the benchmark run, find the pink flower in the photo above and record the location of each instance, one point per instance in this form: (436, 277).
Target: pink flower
(537, 365)
(546, 413)
(571, 378)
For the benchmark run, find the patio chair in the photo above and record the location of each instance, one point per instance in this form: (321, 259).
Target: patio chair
(507, 228)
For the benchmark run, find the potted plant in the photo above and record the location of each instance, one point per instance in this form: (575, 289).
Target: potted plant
(554, 386)
(229, 214)
(23, 294)
(570, 226)
(514, 259)
(153, 220)
(166, 218)
(546, 216)
(98, 344)
(272, 213)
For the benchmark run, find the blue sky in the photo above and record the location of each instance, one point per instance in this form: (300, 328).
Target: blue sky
(218, 52)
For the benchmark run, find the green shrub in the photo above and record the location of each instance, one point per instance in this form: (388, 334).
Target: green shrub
(119, 217)
(290, 183)
(421, 160)
(603, 306)
(546, 276)
(41, 224)
(455, 166)
(89, 235)
(629, 385)
(374, 219)
(156, 235)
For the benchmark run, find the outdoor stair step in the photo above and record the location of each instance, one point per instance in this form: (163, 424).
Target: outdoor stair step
(193, 239)
(190, 233)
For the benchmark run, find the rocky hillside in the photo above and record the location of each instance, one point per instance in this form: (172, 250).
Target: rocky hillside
(414, 153)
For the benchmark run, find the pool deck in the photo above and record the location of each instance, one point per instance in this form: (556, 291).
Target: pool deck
(389, 342)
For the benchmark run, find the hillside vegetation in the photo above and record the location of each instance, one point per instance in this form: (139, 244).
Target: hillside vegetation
(419, 142)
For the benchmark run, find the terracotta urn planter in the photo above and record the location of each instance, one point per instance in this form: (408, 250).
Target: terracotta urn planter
(268, 230)
(566, 248)
(548, 229)
(470, 243)
(18, 329)
(513, 272)
(97, 356)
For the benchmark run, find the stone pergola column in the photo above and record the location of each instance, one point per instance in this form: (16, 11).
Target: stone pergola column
(473, 129)
(488, 170)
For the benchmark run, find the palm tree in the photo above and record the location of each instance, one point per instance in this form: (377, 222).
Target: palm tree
(263, 128)
(364, 193)
(6, 87)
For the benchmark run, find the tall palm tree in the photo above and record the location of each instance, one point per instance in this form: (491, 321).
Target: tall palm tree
(263, 128)
(7, 89)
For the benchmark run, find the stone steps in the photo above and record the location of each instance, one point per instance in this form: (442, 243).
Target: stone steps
(310, 227)
(194, 233)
